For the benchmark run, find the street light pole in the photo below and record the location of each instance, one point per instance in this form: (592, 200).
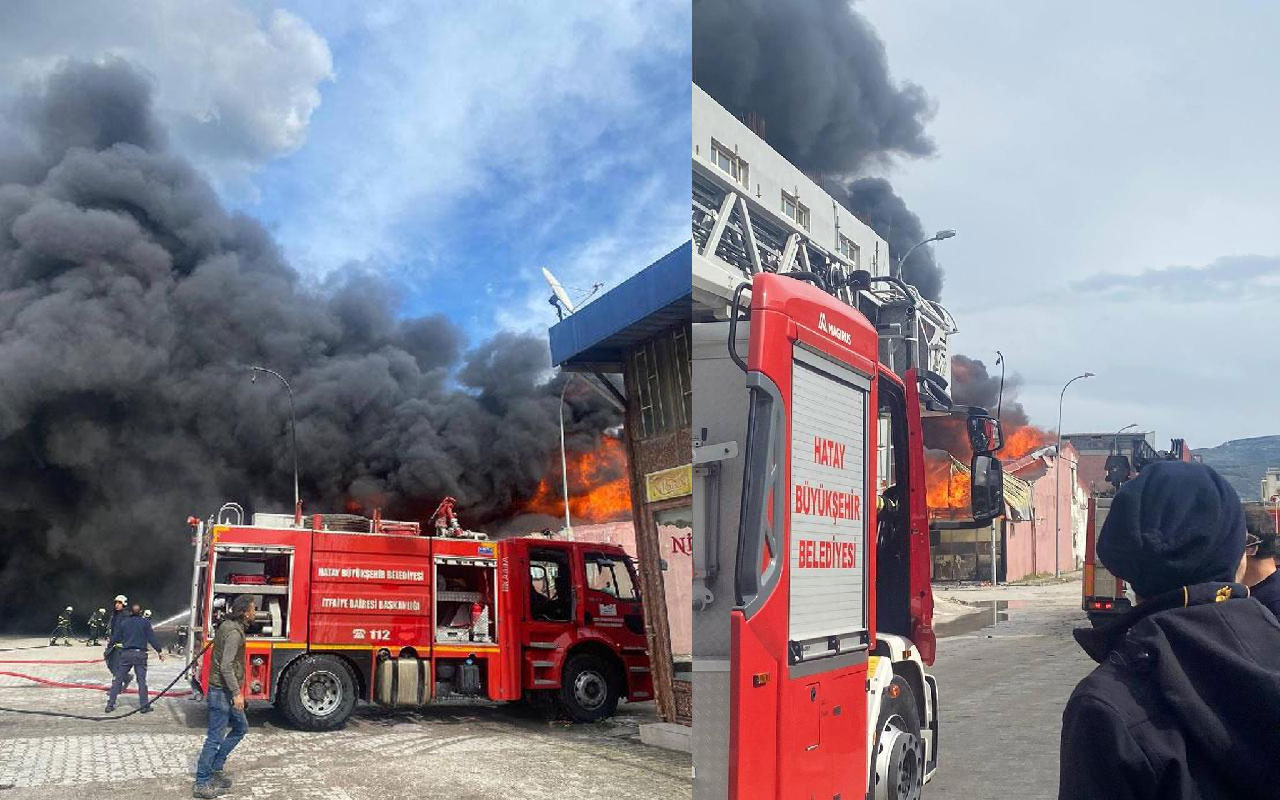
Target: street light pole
(1057, 483)
(1115, 441)
(293, 434)
(564, 467)
(1000, 397)
(937, 237)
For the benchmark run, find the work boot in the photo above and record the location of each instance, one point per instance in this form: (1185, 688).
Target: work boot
(109, 708)
(147, 709)
(204, 790)
(219, 780)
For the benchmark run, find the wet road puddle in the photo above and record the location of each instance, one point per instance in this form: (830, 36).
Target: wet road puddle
(986, 613)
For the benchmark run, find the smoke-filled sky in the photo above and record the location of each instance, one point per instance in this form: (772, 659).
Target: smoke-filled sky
(452, 147)
(819, 77)
(137, 283)
(1111, 170)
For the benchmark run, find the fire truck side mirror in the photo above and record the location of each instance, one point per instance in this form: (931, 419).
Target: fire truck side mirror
(987, 488)
(985, 436)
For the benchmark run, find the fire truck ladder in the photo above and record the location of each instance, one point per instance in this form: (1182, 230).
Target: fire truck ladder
(736, 235)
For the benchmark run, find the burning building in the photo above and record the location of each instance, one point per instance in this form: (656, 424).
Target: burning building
(1021, 543)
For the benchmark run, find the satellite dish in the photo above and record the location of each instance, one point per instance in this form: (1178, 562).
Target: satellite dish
(559, 297)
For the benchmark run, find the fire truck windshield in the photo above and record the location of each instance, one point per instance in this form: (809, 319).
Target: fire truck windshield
(608, 576)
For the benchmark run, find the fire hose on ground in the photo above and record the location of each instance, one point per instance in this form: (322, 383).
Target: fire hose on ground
(100, 717)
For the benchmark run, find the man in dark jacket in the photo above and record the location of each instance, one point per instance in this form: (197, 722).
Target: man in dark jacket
(132, 635)
(1260, 573)
(1186, 697)
(226, 699)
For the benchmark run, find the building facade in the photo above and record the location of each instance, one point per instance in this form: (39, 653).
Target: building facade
(1271, 485)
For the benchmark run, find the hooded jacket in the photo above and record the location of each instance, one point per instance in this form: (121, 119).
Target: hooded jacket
(1185, 702)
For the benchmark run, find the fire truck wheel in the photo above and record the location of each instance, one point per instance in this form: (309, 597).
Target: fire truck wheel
(898, 756)
(588, 689)
(318, 693)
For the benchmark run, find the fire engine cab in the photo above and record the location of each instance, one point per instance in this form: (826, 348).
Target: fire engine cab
(354, 609)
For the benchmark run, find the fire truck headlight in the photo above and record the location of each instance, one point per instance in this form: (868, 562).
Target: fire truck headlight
(258, 661)
(257, 687)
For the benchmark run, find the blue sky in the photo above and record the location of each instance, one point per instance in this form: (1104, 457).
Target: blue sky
(456, 152)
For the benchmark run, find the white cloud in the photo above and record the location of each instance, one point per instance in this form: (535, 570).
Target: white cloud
(235, 87)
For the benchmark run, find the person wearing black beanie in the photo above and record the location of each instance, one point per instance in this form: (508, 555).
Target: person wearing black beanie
(1188, 679)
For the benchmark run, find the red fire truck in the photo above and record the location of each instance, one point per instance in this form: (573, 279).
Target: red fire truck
(831, 628)
(813, 608)
(353, 609)
(1104, 595)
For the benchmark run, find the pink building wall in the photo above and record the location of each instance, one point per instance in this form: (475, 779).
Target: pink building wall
(1029, 543)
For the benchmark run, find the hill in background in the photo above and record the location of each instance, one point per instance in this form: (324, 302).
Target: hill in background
(1243, 462)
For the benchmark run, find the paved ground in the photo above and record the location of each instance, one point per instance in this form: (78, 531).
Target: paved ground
(464, 752)
(1004, 679)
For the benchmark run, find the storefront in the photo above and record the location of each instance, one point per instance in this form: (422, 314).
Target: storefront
(639, 331)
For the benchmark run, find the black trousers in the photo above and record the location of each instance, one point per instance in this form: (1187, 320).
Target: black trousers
(135, 660)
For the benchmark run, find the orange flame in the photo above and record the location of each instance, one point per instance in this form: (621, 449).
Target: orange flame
(1021, 441)
(598, 487)
(946, 486)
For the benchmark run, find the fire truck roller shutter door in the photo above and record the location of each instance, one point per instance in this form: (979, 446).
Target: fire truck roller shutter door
(828, 507)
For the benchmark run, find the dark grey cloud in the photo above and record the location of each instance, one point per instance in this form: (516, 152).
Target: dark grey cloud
(131, 304)
(1223, 278)
(875, 203)
(817, 72)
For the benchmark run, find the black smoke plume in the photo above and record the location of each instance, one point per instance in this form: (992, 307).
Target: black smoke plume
(132, 303)
(816, 73)
(973, 384)
(874, 202)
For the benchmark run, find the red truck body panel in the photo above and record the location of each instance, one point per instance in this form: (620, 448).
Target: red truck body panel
(438, 599)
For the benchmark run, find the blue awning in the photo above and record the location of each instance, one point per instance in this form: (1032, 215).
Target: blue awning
(595, 337)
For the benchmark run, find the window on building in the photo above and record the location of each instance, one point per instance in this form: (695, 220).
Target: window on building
(846, 248)
(659, 383)
(730, 162)
(792, 207)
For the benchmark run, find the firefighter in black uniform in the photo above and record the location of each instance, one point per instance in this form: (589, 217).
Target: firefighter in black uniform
(63, 629)
(1186, 697)
(97, 626)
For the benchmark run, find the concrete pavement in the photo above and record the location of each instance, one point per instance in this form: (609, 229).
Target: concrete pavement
(460, 751)
(1004, 680)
